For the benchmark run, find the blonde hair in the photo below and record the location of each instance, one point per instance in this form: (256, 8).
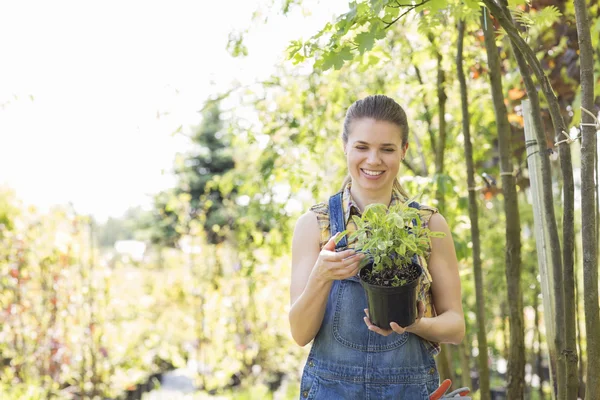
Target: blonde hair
(380, 108)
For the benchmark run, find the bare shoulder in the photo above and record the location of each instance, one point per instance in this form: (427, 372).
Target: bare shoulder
(442, 249)
(305, 250)
(307, 230)
(438, 223)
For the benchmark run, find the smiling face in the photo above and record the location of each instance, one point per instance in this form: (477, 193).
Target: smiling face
(374, 151)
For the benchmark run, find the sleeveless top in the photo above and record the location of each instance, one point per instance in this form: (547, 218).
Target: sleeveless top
(347, 360)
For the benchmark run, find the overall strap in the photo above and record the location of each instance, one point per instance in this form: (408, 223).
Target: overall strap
(336, 219)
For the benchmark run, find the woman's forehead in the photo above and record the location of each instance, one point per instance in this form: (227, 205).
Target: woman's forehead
(375, 132)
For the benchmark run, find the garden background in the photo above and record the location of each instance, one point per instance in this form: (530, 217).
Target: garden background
(155, 157)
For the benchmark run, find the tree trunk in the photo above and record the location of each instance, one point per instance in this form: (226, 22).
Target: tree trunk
(484, 375)
(538, 353)
(444, 359)
(588, 204)
(524, 54)
(465, 364)
(505, 330)
(564, 286)
(444, 364)
(516, 356)
(581, 366)
(535, 167)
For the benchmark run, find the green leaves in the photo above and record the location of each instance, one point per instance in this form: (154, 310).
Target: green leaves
(293, 50)
(348, 36)
(537, 19)
(516, 3)
(436, 5)
(547, 16)
(377, 5)
(391, 236)
(336, 59)
(365, 41)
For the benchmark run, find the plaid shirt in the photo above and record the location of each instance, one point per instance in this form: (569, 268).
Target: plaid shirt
(350, 209)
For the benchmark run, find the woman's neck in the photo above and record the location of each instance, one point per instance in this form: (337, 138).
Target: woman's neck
(363, 198)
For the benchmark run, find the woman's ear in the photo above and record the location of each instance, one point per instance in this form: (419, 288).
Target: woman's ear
(404, 150)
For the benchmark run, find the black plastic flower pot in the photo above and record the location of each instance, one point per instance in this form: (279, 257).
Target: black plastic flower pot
(392, 304)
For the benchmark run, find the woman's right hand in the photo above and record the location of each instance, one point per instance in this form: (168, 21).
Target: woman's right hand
(332, 265)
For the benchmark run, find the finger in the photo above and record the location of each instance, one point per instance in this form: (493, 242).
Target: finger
(343, 255)
(343, 268)
(330, 245)
(336, 256)
(352, 262)
(397, 328)
(376, 329)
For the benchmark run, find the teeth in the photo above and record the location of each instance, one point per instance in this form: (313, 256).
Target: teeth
(372, 173)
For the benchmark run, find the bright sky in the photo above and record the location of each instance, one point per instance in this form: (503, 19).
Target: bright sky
(90, 92)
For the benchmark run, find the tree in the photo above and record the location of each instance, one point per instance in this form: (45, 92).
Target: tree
(196, 198)
(484, 376)
(589, 209)
(562, 261)
(209, 159)
(516, 356)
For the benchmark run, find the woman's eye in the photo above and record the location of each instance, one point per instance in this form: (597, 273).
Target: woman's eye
(388, 150)
(361, 147)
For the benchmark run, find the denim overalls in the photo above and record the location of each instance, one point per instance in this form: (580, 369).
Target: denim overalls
(348, 361)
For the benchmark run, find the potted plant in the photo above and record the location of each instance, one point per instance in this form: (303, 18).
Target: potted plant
(393, 239)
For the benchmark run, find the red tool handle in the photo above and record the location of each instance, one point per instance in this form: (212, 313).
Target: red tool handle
(439, 392)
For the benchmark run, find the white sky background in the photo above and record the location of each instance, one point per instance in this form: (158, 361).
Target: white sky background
(82, 83)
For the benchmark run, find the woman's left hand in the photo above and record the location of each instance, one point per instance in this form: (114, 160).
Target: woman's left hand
(395, 327)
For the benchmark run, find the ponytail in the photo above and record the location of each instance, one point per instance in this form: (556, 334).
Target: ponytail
(398, 187)
(347, 180)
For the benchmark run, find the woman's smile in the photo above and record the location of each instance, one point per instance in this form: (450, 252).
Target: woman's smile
(371, 174)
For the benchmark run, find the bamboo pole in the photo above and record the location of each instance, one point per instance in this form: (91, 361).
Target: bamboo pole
(542, 236)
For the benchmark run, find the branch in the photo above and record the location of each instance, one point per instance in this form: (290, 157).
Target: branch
(532, 60)
(410, 8)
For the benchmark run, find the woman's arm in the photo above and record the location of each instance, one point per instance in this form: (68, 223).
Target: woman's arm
(448, 326)
(308, 296)
(313, 271)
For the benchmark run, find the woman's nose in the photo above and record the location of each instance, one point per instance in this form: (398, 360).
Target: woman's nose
(373, 158)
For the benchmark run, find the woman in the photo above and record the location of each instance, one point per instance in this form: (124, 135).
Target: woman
(350, 357)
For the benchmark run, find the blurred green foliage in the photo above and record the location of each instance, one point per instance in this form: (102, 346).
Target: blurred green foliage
(211, 292)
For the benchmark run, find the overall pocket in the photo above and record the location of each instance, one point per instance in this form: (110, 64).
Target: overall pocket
(350, 329)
